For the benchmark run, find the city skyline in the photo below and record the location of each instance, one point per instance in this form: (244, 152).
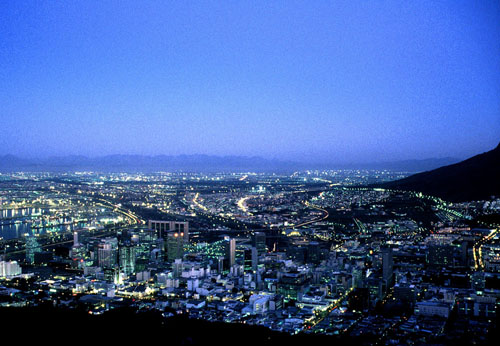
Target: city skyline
(343, 82)
(265, 173)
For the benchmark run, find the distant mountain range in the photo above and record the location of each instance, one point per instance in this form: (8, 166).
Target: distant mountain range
(196, 163)
(476, 178)
(141, 163)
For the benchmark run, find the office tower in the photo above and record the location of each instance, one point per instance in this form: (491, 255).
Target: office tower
(163, 227)
(440, 254)
(237, 270)
(78, 254)
(32, 247)
(177, 268)
(297, 252)
(220, 264)
(387, 265)
(313, 253)
(75, 238)
(292, 284)
(9, 269)
(127, 259)
(247, 259)
(231, 251)
(174, 245)
(107, 253)
(357, 278)
(259, 242)
(255, 258)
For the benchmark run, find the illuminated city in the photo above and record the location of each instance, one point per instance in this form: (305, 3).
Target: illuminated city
(310, 252)
(261, 173)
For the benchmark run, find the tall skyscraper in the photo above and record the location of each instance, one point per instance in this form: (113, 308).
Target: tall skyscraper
(127, 259)
(177, 268)
(387, 265)
(255, 259)
(251, 259)
(107, 253)
(220, 264)
(174, 245)
(32, 247)
(259, 242)
(231, 251)
(75, 238)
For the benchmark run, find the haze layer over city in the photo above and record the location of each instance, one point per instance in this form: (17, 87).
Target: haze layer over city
(260, 172)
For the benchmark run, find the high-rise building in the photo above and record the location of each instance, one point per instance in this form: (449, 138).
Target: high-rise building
(32, 247)
(292, 284)
(259, 242)
(163, 227)
(9, 269)
(174, 245)
(127, 259)
(255, 259)
(387, 265)
(107, 253)
(220, 264)
(313, 253)
(177, 268)
(357, 277)
(75, 238)
(231, 251)
(247, 259)
(440, 254)
(78, 253)
(251, 259)
(297, 251)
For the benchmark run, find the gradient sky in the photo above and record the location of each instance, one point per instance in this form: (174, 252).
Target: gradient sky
(339, 81)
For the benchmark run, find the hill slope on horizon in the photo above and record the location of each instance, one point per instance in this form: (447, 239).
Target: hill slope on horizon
(476, 178)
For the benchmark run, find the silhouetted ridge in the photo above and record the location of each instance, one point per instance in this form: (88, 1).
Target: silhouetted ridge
(476, 178)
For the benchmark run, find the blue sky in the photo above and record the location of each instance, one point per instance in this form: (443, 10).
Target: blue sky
(340, 81)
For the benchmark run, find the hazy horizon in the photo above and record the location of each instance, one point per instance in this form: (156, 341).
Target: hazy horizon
(345, 82)
(198, 158)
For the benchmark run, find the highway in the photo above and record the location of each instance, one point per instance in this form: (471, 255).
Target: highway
(242, 204)
(198, 204)
(325, 216)
(125, 212)
(477, 248)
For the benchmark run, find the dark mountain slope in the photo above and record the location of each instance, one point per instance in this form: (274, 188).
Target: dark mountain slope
(472, 179)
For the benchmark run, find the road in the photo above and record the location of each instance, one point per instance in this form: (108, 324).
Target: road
(198, 204)
(477, 248)
(325, 216)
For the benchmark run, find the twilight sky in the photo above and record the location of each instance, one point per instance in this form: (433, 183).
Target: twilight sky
(339, 81)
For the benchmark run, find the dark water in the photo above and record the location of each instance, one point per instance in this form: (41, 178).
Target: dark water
(18, 230)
